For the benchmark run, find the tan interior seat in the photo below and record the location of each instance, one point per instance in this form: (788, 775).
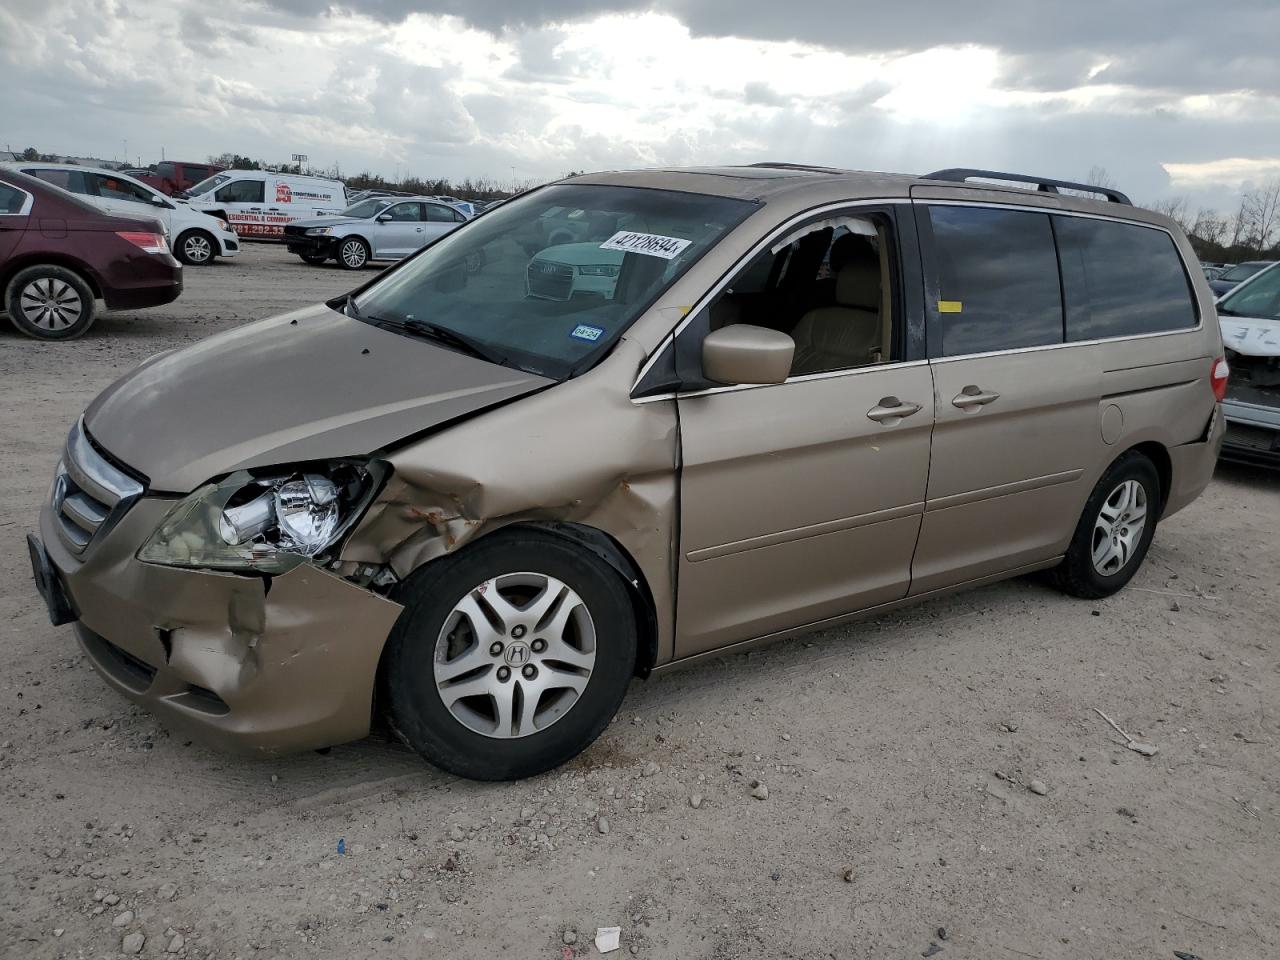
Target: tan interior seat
(849, 333)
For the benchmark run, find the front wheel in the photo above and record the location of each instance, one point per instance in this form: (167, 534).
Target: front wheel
(510, 657)
(1115, 530)
(196, 248)
(50, 303)
(353, 253)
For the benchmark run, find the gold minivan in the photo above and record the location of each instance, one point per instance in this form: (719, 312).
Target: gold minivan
(480, 493)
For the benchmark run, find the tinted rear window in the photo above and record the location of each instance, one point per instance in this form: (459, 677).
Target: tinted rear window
(1121, 280)
(997, 275)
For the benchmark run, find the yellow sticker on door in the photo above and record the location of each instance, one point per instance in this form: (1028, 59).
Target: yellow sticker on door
(950, 306)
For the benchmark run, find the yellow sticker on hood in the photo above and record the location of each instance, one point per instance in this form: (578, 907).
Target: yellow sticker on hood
(950, 306)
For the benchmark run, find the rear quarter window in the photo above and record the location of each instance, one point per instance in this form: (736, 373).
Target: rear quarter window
(1121, 280)
(997, 277)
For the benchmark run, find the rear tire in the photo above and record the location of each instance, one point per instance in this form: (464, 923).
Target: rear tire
(353, 253)
(196, 248)
(542, 634)
(1108, 546)
(50, 303)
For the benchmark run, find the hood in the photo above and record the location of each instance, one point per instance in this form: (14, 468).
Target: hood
(307, 385)
(580, 254)
(322, 222)
(1251, 336)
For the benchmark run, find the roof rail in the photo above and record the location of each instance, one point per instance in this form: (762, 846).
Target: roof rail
(962, 174)
(782, 165)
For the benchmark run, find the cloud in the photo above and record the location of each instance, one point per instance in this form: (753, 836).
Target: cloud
(1187, 100)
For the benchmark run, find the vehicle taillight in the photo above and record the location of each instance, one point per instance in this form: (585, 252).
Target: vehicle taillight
(148, 242)
(1218, 378)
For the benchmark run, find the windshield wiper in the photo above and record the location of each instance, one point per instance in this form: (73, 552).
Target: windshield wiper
(453, 339)
(430, 331)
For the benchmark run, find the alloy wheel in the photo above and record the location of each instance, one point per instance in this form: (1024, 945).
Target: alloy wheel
(197, 248)
(1117, 531)
(50, 304)
(514, 655)
(353, 254)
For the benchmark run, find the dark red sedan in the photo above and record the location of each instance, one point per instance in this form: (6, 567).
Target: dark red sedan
(59, 255)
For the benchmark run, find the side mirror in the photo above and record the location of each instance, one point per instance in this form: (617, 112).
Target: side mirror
(384, 218)
(742, 353)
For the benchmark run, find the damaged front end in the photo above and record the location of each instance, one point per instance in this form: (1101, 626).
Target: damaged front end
(1252, 404)
(247, 644)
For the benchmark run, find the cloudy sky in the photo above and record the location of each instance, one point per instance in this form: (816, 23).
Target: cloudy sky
(1170, 96)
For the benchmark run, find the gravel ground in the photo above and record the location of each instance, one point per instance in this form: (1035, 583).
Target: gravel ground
(934, 777)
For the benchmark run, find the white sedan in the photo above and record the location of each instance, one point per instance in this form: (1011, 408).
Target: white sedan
(196, 238)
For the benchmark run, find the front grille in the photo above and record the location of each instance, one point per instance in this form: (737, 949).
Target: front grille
(1255, 438)
(89, 493)
(291, 231)
(551, 280)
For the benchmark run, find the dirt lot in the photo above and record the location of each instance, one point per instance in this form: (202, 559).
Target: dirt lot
(898, 756)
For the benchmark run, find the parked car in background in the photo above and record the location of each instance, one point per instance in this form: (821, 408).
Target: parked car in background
(172, 177)
(1237, 274)
(573, 270)
(59, 254)
(485, 513)
(1250, 319)
(380, 228)
(258, 203)
(195, 237)
(1212, 271)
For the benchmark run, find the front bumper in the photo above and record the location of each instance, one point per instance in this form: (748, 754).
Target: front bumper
(305, 246)
(1253, 433)
(236, 662)
(228, 243)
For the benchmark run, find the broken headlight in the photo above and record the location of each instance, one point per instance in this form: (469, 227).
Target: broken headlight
(266, 524)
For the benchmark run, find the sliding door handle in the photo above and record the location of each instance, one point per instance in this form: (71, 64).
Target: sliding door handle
(891, 409)
(971, 397)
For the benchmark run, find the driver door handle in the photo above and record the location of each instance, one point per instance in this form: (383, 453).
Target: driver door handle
(891, 408)
(972, 396)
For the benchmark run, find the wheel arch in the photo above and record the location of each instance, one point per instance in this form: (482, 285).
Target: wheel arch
(79, 267)
(1158, 454)
(605, 548)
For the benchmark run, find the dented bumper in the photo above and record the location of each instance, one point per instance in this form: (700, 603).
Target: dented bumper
(246, 665)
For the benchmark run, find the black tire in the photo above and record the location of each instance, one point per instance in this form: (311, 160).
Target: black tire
(1077, 575)
(416, 709)
(196, 248)
(346, 256)
(315, 259)
(34, 285)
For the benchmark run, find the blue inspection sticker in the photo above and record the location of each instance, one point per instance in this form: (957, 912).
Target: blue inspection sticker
(587, 332)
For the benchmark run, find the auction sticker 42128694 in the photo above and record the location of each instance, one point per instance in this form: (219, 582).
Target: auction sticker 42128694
(650, 244)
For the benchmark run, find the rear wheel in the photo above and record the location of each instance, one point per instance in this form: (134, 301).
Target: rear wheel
(50, 303)
(1115, 530)
(353, 253)
(196, 248)
(510, 657)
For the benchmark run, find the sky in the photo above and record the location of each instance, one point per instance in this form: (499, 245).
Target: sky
(1171, 97)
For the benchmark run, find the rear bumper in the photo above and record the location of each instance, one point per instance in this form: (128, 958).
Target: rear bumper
(220, 656)
(147, 280)
(1193, 464)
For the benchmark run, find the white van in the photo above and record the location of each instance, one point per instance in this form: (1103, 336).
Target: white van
(195, 237)
(259, 203)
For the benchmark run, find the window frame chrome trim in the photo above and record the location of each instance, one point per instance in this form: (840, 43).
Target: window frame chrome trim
(27, 204)
(668, 341)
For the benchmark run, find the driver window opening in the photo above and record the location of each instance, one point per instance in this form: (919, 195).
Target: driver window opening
(829, 286)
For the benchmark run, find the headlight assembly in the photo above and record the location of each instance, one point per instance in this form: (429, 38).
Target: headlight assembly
(599, 270)
(267, 524)
(319, 231)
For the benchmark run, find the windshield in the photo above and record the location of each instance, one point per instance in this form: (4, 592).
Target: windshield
(549, 281)
(367, 208)
(204, 186)
(1242, 271)
(1258, 298)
